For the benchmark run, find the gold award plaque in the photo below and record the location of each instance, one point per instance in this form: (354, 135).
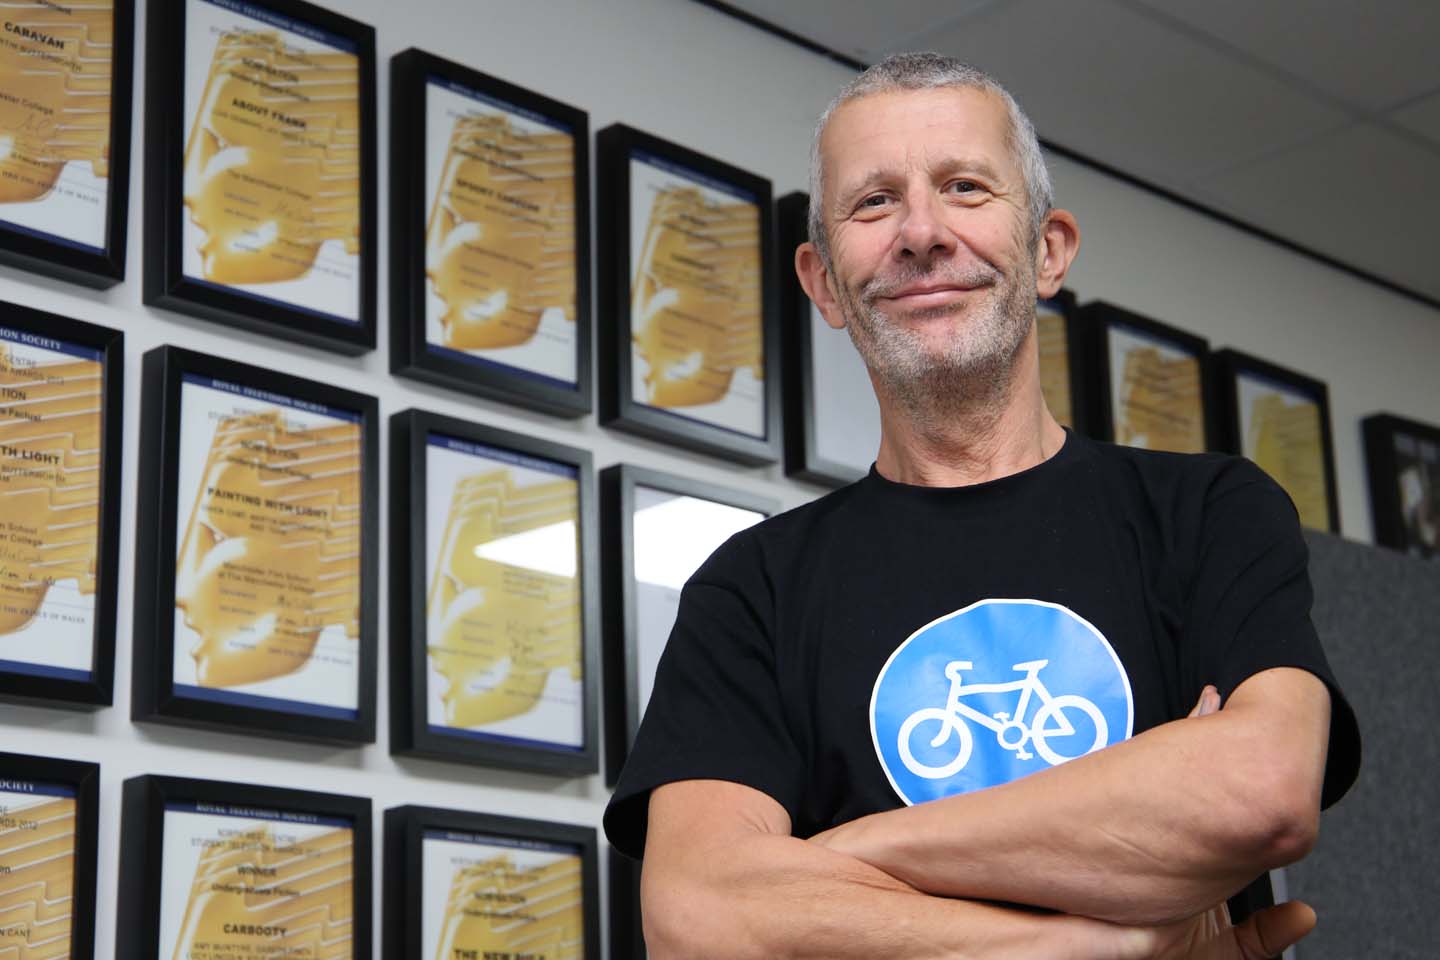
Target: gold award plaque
(272, 161)
(262, 892)
(55, 65)
(1283, 435)
(499, 628)
(512, 905)
(1160, 404)
(37, 874)
(1054, 363)
(50, 418)
(695, 311)
(500, 241)
(270, 555)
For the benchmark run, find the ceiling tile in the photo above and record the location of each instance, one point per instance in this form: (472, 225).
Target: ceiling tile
(1363, 195)
(1117, 86)
(1369, 55)
(857, 28)
(1422, 117)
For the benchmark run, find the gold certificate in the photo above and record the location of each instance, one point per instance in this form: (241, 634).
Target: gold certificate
(1054, 340)
(55, 66)
(695, 314)
(1155, 394)
(37, 869)
(500, 898)
(1280, 430)
(272, 159)
(50, 418)
(246, 884)
(269, 550)
(500, 233)
(503, 607)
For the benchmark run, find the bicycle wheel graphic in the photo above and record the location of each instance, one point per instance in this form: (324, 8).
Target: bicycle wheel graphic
(935, 736)
(1055, 710)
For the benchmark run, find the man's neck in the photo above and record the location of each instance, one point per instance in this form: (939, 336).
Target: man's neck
(985, 439)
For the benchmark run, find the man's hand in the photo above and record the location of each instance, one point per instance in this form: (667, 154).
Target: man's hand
(1210, 936)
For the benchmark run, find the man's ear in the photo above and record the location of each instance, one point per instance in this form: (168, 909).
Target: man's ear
(816, 280)
(1059, 243)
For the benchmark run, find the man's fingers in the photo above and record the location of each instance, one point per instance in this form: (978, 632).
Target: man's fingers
(1269, 932)
(1208, 703)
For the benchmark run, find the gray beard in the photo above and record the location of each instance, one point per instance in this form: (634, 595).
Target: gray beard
(972, 373)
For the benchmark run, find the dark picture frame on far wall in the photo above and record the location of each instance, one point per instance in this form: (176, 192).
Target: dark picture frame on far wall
(260, 196)
(1152, 379)
(63, 212)
(461, 884)
(1280, 419)
(689, 340)
(1402, 463)
(1067, 378)
(256, 551)
(494, 597)
(489, 237)
(61, 381)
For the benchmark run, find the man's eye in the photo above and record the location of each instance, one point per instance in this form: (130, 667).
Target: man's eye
(964, 186)
(875, 201)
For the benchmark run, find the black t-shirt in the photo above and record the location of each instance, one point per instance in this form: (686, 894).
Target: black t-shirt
(890, 643)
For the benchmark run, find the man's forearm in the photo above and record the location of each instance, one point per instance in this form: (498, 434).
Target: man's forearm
(1151, 830)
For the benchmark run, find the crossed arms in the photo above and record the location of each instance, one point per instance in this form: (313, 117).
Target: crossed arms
(1133, 845)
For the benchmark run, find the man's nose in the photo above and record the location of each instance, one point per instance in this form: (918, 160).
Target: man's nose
(924, 233)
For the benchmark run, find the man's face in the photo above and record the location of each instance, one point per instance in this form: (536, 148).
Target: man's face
(932, 260)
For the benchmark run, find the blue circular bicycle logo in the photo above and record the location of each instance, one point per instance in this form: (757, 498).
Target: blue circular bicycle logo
(992, 692)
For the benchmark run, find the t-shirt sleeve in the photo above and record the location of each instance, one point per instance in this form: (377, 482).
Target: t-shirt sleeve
(1249, 606)
(715, 712)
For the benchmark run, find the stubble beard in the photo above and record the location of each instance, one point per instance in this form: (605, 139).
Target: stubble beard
(972, 372)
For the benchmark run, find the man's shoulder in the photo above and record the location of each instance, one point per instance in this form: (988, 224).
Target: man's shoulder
(784, 537)
(1165, 474)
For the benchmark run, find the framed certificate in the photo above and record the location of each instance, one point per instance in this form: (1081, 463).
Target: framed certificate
(256, 551)
(687, 299)
(462, 885)
(48, 830)
(627, 931)
(1154, 387)
(65, 72)
(832, 420)
(657, 529)
(1065, 375)
(60, 399)
(260, 168)
(1402, 461)
(489, 238)
(493, 597)
(213, 870)
(1281, 420)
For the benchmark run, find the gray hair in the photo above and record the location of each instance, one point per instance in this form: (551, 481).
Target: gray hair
(930, 71)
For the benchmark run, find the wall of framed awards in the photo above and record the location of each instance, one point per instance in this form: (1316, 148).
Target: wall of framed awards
(358, 517)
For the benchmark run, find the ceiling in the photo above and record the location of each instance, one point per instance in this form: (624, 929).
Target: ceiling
(1317, 122)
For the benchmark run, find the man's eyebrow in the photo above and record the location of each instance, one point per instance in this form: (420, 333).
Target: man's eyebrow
(850, 191)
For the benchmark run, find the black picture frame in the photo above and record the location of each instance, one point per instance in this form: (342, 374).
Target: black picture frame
(56, 777)
(1413, 527)
(412, 74)
(407, 829)
(1097, 323)
(620, 601)
(801, 388)
(1079, 365)
(627, 928)
(145, 801)
(54, 686)
(411, 733)
(1227, 368)
(154, 696)
(165, 281)
(616, 147)
(54, 256)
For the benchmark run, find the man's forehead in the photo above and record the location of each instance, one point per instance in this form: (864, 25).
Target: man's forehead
(897, 123)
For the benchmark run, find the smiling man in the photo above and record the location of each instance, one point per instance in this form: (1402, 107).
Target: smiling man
(1016, 693)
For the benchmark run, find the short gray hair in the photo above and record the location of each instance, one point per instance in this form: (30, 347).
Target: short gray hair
(931, 71)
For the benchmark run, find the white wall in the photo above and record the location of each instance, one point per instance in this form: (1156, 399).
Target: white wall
(691, 75)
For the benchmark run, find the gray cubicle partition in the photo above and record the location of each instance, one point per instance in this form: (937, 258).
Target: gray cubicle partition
(1372, 877)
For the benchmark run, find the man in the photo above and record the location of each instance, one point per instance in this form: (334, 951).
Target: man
(877, 728)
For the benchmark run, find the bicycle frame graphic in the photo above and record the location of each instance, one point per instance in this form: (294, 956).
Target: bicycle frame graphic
(1011, 731)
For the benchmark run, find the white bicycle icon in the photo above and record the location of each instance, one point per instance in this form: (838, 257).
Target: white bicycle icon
(1011, 732)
